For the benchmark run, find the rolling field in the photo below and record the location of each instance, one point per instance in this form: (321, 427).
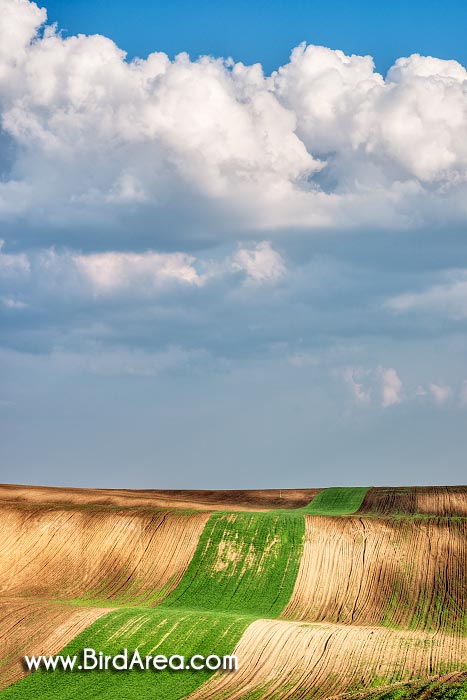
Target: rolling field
(354, 593)
(152, 631)
(88, 554)
(401, 573)
(296, 661)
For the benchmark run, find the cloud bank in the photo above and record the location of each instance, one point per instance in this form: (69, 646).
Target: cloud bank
(208, 147)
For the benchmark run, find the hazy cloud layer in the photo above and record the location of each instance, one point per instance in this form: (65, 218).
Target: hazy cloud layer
(447, 298)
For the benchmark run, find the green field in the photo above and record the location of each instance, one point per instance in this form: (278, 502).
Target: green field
(336, 501)
(152, 631)
(245, 562)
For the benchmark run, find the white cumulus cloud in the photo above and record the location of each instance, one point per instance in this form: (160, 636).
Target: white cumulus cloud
(261, 263)
(354, 378)
(13, 304)
(441, 392)
(95, 141)
(391, 387)
(112, 272)
(13, 264)
(368, 384)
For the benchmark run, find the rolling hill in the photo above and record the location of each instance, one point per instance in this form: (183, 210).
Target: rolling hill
(339, 592)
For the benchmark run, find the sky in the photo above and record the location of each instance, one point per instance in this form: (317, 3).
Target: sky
(233, 244)
(265, 31)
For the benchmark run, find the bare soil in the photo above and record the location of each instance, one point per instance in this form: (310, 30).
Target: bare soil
(424, 500)
(300, 661)
(395, 572)
(254, 500)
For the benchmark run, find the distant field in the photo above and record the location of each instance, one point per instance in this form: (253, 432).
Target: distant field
(348, 592)
(237, 500)
(337, 501)
(448, 501)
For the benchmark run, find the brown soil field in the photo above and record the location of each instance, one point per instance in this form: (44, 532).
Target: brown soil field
(36, 627)
(254, 500)
(424, 500)
(293, 660)
(402, 572)
(64, 554)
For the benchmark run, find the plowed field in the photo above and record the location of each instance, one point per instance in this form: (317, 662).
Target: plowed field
(448, 501)
(86, 554)
(401, 573)
(292, 660)
(240, 500)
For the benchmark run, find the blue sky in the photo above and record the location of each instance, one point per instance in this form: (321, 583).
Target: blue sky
(243, 270)
(264, 31)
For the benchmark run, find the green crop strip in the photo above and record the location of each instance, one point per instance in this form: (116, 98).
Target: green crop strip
(336, 501)
(245, 562)
(151, 631)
